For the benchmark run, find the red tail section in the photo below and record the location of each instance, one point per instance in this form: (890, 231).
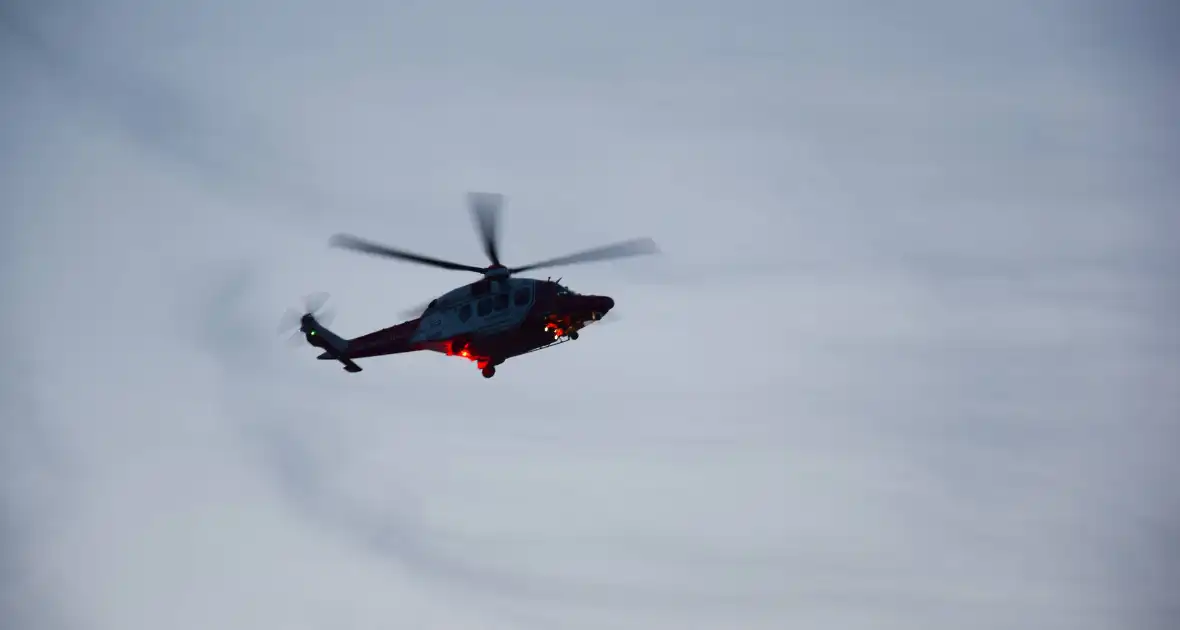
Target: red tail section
(392, 340)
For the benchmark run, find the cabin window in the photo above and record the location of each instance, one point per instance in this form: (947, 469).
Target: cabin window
(501, 301)
(521, 298)
(485, 307)
(464, 312)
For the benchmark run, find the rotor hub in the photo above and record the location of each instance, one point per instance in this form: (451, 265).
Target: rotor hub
(497, 271)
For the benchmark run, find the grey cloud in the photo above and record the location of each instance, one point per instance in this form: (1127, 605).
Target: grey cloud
(908, 361)
(224, 148)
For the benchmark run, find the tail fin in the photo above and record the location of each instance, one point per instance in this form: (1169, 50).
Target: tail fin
(335, 348)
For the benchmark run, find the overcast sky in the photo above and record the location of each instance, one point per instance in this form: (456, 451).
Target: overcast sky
(909, 359)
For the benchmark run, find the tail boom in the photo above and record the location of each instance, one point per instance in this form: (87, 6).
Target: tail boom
(335, 347)
(393, 340)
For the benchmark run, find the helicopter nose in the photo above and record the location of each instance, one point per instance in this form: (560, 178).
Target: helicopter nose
(605, 304)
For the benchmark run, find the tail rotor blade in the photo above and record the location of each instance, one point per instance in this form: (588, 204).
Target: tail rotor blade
(292, 319)
(289, 320)
(296, 339)
(314, 302)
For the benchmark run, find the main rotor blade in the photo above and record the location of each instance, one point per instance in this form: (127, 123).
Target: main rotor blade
(485, 209)
(633, 247)
(355, 244)
(412, 313)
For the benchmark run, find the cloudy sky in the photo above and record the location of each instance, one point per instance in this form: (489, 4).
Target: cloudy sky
(908, 361)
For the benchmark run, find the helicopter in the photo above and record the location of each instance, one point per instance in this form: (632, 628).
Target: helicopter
(487, 322)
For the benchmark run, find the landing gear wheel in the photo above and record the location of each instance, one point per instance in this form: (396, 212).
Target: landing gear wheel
(489, 371)
(573, 335)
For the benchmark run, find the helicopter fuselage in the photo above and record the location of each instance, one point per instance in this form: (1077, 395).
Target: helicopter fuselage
(487, 321)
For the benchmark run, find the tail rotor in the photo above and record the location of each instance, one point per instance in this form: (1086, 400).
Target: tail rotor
(306, 324)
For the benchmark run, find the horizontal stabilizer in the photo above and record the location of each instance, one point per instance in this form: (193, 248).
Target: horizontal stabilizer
(335, 348)
(349, 365)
